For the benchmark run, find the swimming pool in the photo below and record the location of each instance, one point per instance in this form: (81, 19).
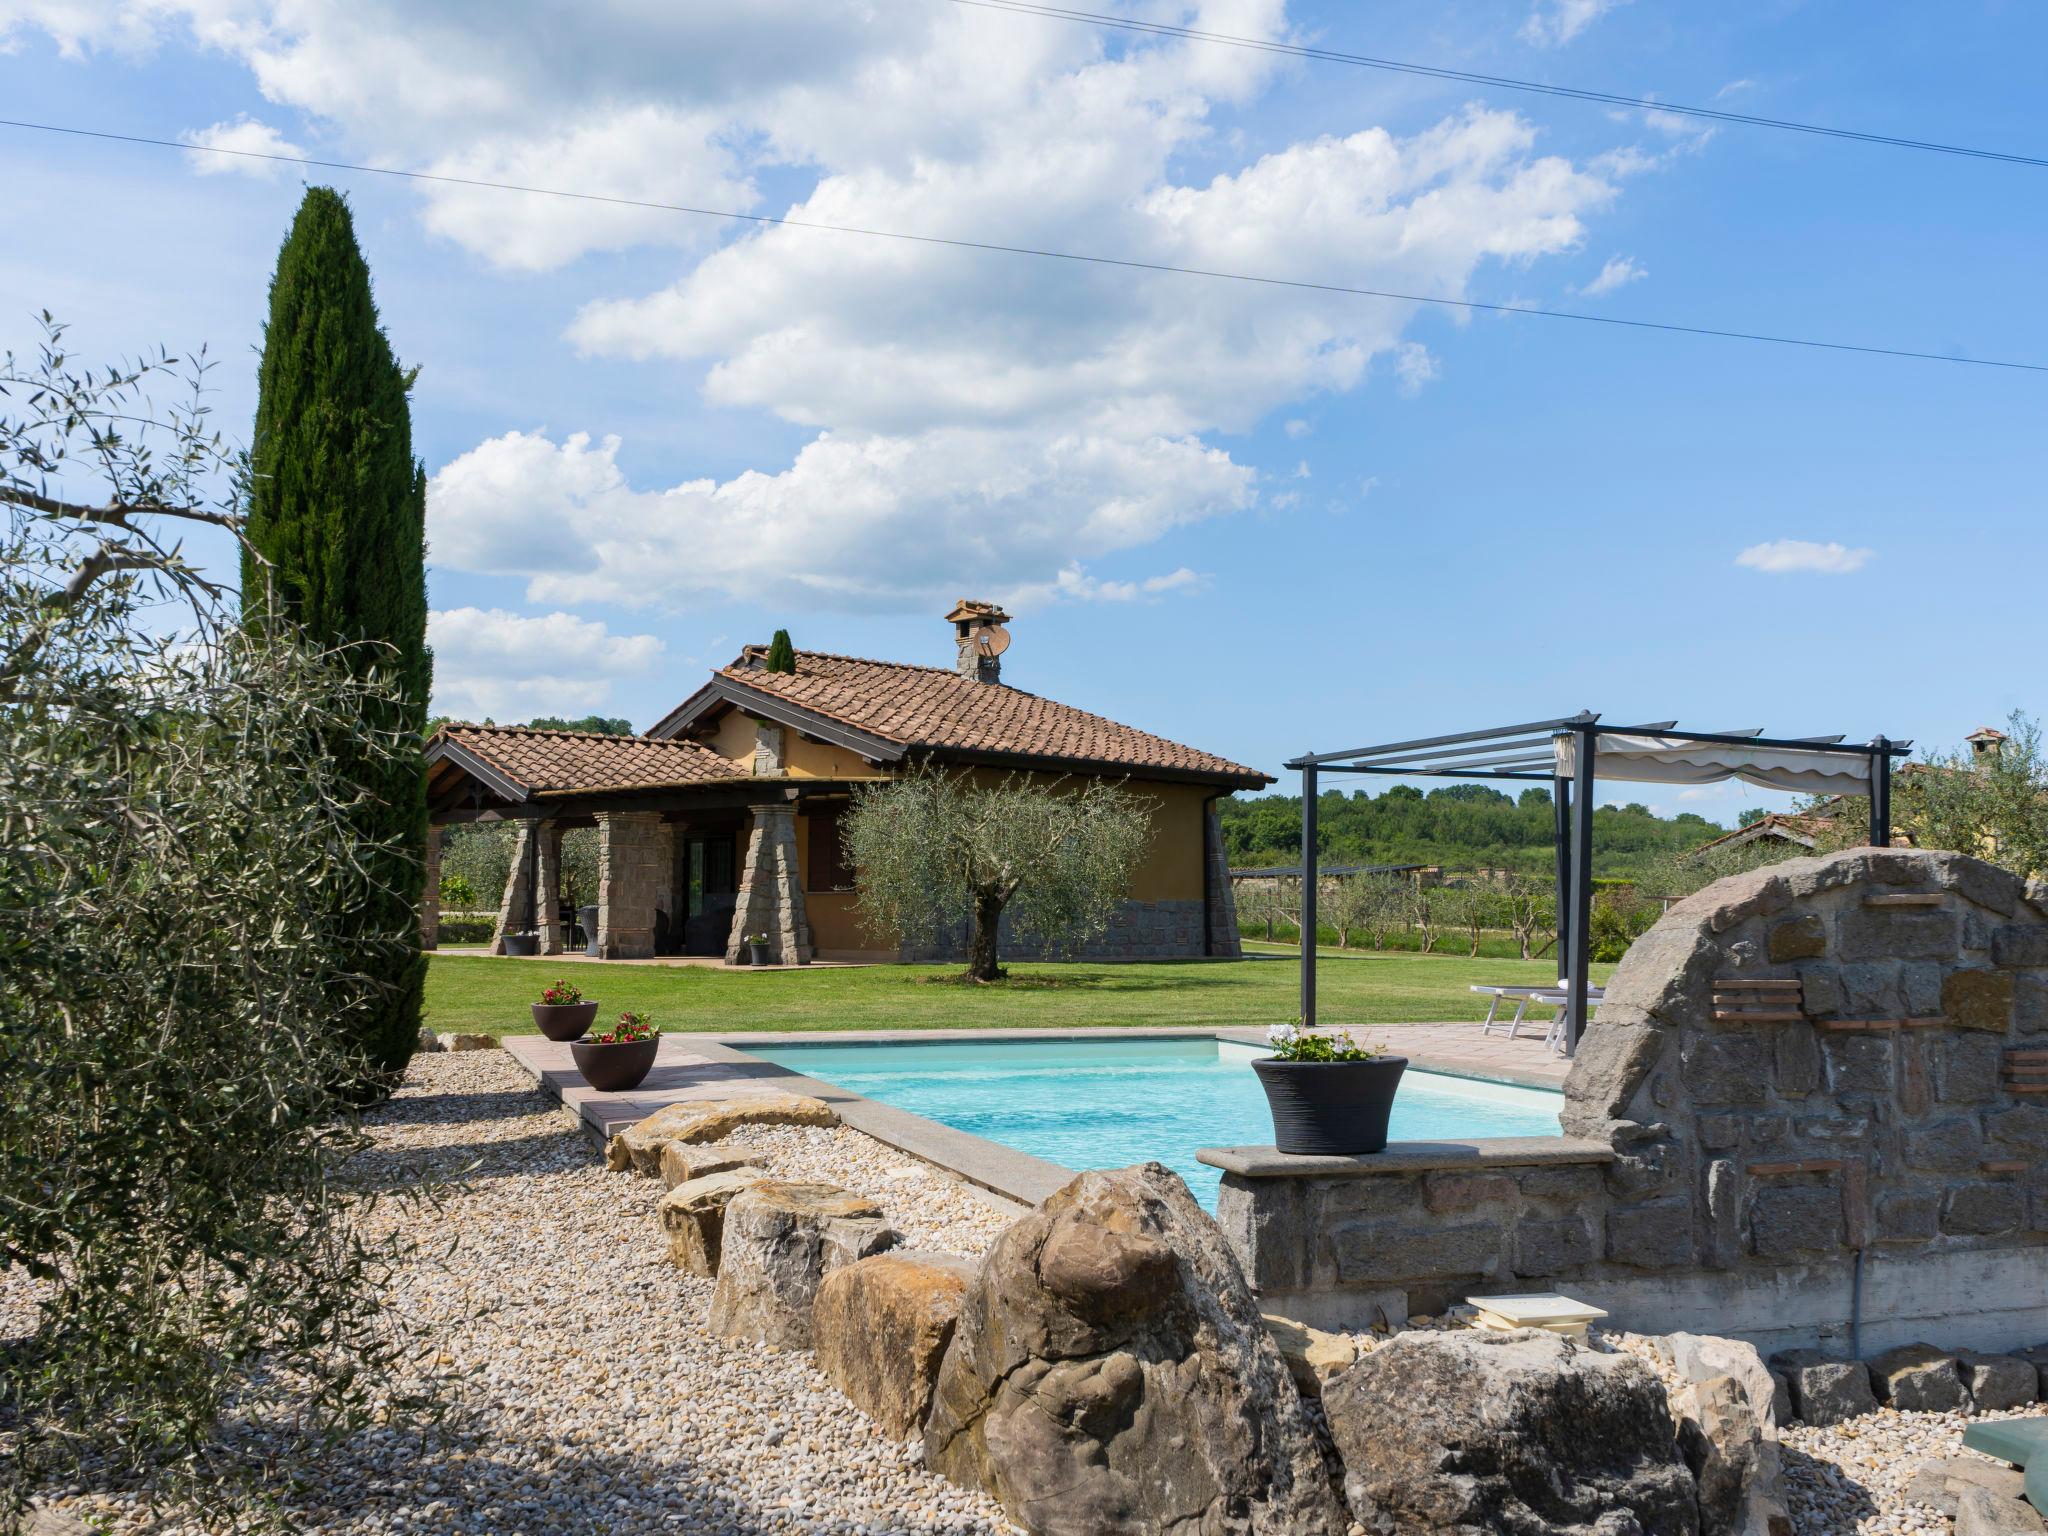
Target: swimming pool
(1109, 1103)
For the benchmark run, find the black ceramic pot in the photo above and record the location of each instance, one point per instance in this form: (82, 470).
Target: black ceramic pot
(1331, 1108)
(615, 1068)
(757, 954)
(522, 943)
(563, 1021)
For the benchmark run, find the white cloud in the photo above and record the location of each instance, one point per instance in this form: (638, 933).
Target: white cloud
(1781, 557)
(1298, 429)
(1619, 272)
(858, 520)
(980, 417)
(488, 662)
(1302, 471)
(1074, 584)
(1553, 23)
(247, 138)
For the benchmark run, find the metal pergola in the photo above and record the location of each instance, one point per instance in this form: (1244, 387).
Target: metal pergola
(1534, 753)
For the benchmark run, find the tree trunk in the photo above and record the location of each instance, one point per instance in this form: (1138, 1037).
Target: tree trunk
(981, 939)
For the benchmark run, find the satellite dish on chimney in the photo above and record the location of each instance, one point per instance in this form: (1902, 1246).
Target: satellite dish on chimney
(993, 640)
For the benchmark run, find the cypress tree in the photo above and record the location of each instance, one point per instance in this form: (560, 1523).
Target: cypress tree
(781, 654)
(337, 504)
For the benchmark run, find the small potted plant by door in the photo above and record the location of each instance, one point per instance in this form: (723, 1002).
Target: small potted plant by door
(561, 1013)
(620, 1057)
(1329, 1096)
(757, 949)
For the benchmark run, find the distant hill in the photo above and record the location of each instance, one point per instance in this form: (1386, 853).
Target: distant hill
(1462, 826)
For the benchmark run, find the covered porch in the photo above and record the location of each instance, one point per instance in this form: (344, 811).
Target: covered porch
(694, 852)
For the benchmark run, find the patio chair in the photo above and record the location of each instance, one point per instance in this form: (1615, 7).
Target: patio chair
(1552, 995)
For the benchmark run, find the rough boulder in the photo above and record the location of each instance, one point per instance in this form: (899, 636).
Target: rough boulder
(778, 1240)
(638, 1147)
(881, 1326)
(1523, 1433)
(1110, 1374)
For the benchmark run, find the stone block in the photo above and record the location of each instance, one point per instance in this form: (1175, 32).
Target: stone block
(2020, 944)
(1872, 990)
(1821, 988)
(1824, 1390)
(1724, 1213)
(1859, 1064)
(1999, 1381)
(1726, 1067)
(1380, 1196)
(1657, 1235)
(1573, 1184)
(469, 1042)
(1977, 999)
(1982, 1210)
(1919, 1378)
(682, 1162)
(777, 1244)
(1909, 1215)
(1916, 1078)
(1263, 1221)
(1966, 1068)
(1939, 1480)
(1312, 1356)
(1717, 1133)
(1613, 1061)
(1987, 885)
(2030, 1003)
(1920, 988)
(1980, 1512)
(1796, 1053)
(1645, 1167)
(1551, 1247)
(1382, 1252)
(639, 1145)
(1450, 1191)
(2023, 1127)
(1804, 937)
(1795, 1220)
(692, 1214)
(881, 1327)
(1898, 933)
(1946, 1146)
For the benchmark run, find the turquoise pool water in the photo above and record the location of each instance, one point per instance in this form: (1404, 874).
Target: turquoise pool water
(1109, 1103)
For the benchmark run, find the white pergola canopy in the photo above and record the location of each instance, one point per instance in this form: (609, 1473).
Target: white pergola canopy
(1678, 760)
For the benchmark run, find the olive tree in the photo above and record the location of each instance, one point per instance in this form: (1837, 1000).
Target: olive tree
(935, 853)
(174, 1139)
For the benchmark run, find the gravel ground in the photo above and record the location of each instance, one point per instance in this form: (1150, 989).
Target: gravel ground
(588, 1396)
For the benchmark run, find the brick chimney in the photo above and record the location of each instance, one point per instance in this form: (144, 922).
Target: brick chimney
(979, 635)
(1986, 743)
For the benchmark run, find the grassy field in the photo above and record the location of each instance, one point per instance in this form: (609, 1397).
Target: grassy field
(480, 992)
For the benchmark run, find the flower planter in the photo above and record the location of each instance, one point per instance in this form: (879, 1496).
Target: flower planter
(522, 943)
(615, 1068)
(563, 1021)
(757, 954)
(1331, 1108)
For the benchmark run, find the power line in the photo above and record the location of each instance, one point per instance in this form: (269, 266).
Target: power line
(997, 247)
(1501, 82)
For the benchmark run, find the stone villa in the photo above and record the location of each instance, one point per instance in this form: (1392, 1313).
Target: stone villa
(723, 820)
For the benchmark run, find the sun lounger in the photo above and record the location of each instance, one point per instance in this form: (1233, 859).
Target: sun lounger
(1551, 994)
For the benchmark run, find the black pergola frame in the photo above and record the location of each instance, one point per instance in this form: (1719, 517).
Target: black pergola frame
(1528, 752)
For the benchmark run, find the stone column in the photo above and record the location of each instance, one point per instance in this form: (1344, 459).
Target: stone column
(629, 875)
(771, 898)
(1223, 940)
(665, 881)
(430, 898)
(548, 897)
(512, 909)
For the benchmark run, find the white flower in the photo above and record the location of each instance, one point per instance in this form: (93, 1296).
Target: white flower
(1279, 1034)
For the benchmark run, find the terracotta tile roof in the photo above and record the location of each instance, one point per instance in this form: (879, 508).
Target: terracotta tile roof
(935, 708)
(553, 762)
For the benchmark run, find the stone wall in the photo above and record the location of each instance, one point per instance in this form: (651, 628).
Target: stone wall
(548, 888)
(1224, 943)
(513, 905)
(1811, 1089)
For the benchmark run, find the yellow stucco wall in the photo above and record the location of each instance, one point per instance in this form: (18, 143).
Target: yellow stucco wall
(802, 758)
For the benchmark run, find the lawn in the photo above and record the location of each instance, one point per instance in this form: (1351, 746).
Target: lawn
(481, 992)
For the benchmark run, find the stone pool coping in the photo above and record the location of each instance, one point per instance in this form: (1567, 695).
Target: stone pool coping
(712, 1066)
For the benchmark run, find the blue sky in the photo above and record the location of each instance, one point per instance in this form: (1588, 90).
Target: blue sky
(1255, 520)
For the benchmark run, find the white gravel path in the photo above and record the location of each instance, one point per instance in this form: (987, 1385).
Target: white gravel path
(588, 1396)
